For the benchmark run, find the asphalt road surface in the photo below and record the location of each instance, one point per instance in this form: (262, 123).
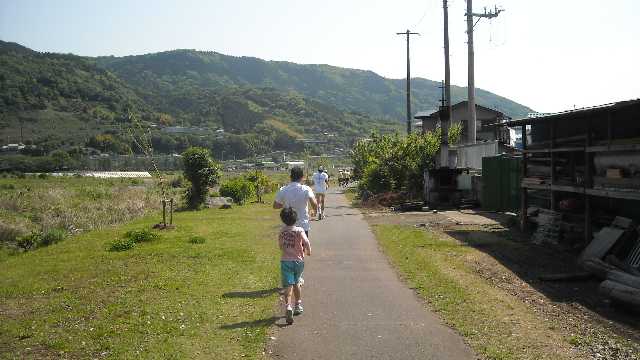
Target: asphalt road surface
(355, 306)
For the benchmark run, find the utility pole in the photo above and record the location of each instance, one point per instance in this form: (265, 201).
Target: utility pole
(446, 110)
(408, 34)
(471, 80)
(447, 67)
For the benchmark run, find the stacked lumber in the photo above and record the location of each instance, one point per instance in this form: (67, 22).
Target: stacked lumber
(620, 278)
(532, 180)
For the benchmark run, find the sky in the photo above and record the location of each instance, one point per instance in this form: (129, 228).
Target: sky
(549, 55)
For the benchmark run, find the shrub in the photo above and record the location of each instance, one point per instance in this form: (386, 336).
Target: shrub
(201, 172)
(197, 239)
(52, 236)
(142, 235)
(177, 182)
(121, 244)
(261, 183)
(393, 163)
(238, 188)
(29, 241)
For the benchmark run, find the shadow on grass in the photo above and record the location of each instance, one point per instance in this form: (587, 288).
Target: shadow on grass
(252, 324)
(530, 261)
(251, 294)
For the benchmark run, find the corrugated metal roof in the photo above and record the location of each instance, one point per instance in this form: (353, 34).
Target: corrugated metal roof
(574, 112)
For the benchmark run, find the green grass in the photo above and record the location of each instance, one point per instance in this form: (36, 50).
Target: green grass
(162, 299)
(496, 325)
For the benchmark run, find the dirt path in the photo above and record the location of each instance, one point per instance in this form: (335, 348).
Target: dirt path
(355, 305)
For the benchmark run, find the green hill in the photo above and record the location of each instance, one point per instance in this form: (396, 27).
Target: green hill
(67, 101)
(348, 89)
(238, 105)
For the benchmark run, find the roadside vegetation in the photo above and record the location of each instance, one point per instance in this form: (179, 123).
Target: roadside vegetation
(493, 312)
(394, 163)
(206, 290)
(40, 210)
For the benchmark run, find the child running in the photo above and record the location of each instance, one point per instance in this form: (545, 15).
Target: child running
(294, 245)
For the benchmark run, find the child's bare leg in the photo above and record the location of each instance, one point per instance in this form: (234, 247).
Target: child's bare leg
(297, 293)
(288, 293)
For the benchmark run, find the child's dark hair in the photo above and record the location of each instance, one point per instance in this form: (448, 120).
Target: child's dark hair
(288, 216)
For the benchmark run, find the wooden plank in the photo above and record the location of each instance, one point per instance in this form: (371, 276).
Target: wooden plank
(602, 243)
(617, 194)
(613, 147)
(620, 292)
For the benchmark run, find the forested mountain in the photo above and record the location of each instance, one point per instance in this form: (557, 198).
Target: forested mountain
(66, 101)
(348, 89)
(238, 105)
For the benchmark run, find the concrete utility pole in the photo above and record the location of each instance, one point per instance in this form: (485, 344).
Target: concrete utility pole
(445, 110)
(447, 67)
(408, 34)
(471, 80)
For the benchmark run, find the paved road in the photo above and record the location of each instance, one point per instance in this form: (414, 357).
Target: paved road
(355, 305)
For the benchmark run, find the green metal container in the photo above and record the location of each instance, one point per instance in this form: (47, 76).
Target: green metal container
(501, 179)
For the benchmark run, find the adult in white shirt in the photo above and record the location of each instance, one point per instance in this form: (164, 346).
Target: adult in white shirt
(297, 196)
(321, 185)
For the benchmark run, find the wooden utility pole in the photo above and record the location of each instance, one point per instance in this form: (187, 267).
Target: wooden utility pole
(471, 77)
(408, 34)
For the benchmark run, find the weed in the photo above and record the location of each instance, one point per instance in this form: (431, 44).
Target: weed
(122, 244)
(197, 239)
(29, 241)
(52, 236)
(142, 235)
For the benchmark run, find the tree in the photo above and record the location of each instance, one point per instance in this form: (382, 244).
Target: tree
(261, 183)
(202, 172)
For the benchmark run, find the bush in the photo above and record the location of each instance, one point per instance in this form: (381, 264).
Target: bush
(201, 172)
(393, 163)
(261, 183)
(52, 236)
(30, 241)
(142, 235)
(197, 239)
(238, 188)
(122, 244)
(177, 182)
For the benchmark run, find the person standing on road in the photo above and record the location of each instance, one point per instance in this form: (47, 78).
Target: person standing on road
(298, 197)
(294, 245)
(321, 185)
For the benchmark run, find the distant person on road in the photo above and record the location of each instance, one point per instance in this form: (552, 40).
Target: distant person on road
(321, 185)
(297, 196)
(294, 245)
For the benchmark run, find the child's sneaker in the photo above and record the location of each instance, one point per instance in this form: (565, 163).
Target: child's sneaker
(289, 313)
(298, 310)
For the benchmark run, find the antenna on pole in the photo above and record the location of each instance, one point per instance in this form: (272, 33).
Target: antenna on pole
(471, 76)
(408, 34)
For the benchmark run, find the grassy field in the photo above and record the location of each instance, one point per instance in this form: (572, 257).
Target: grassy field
(169, 298)
(70, 205)
(495, 323)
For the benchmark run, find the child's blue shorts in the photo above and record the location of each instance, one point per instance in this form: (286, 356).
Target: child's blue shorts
(291, 272)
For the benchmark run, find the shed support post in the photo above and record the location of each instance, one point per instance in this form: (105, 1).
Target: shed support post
(523, 190)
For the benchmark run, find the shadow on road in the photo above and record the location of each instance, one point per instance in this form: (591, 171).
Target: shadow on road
(251, 294)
